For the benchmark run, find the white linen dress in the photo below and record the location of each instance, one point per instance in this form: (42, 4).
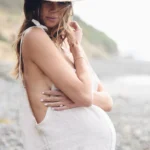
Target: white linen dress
(82, 128)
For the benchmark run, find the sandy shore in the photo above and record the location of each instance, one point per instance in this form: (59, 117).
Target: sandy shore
(128, 82)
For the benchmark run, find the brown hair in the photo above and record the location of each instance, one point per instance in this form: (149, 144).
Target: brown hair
(58, 34)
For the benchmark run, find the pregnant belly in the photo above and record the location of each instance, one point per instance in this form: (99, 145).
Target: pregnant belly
(82, 123)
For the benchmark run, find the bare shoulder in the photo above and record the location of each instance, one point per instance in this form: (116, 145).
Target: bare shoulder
(34, 31)
(34, 35)
(36, 40)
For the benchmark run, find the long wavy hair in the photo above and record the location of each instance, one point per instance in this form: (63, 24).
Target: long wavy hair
(58, 33)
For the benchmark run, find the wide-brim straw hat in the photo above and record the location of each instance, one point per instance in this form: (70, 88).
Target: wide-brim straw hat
(62, 0)
(37, 1)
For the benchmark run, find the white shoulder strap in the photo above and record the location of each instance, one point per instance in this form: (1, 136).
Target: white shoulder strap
(37, 23)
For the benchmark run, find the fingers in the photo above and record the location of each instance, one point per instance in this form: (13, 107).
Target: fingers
(53, 93)
(64, 107)
(55, 99)
(51, 99)
(55, 104)
(60, 108)
(74, 25)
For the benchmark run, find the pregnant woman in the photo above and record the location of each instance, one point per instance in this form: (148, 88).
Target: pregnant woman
(63, 102)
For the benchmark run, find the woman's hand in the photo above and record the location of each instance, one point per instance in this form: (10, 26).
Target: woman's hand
(77, 31)
(76, 34)
(55, 99)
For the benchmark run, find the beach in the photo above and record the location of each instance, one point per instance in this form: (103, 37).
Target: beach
(127, 81)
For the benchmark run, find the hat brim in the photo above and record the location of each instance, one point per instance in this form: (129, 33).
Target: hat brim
(62, 0)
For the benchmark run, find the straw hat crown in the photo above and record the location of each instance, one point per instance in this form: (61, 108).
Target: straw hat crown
(51, 0)
(61, 0)
(33, 4)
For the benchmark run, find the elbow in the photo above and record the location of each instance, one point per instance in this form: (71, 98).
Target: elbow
(108, 108)
(109, 105)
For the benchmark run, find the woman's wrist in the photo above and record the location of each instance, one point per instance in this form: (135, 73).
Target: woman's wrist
(77, 51)
(80, 57)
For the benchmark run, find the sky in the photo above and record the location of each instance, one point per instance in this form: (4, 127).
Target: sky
(127, 22)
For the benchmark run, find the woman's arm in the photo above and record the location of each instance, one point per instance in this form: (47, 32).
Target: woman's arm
(102, 99)
(40, 49)
(56, 98)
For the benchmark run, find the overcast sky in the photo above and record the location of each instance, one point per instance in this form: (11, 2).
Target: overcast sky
(125, 21)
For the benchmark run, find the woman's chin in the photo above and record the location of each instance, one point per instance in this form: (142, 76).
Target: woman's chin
(51, 25)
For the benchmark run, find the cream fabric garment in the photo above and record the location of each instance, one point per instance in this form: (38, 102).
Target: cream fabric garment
(84, 128)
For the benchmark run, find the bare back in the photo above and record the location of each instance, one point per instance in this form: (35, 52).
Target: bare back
(36, 81)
